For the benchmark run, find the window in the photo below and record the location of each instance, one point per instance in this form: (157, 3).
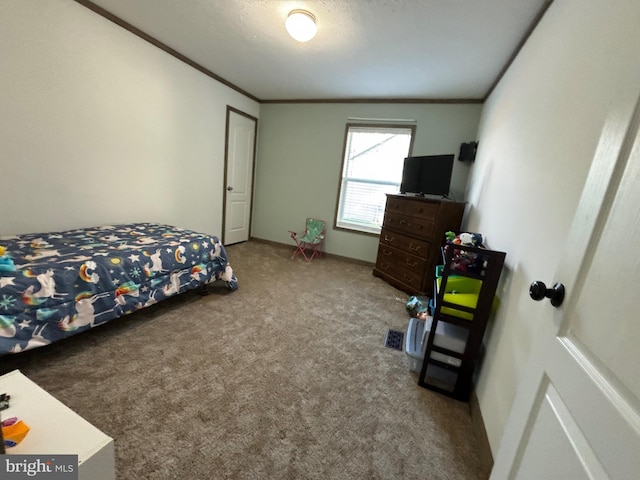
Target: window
(371, 167)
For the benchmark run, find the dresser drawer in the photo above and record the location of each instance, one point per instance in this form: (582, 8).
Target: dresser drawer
(409, 245)
(412, 208)
(386, 269)
(422, 227)
(420, 248)
(401, 265)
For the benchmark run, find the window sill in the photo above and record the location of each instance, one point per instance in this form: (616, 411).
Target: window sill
(347, 227)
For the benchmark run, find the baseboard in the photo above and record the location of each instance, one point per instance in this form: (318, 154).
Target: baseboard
(331, 255)
(477, 424)
(270, 242)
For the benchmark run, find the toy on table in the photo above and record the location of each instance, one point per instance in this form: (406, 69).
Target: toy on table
(13, 431)
(4, 401)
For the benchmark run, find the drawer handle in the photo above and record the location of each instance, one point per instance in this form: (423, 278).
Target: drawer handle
(411, 264)
(387, 253)
(414, 249)
(404, 222)
(388, 239)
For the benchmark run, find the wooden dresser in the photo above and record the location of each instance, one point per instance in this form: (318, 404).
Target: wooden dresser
(410, 240)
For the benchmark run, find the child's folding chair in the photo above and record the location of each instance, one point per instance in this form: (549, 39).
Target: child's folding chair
(309, 242)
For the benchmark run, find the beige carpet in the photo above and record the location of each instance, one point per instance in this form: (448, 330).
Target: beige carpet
(285, 378)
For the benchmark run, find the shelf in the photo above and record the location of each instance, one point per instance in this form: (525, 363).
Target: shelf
(449, 342)
(448, 353)
(464, 300)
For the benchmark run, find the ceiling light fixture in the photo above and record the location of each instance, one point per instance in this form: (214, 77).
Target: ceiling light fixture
(301, 25)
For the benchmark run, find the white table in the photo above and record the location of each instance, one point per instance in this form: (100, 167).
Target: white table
(56, 429)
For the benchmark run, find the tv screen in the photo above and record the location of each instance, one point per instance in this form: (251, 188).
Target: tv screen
(427, 175)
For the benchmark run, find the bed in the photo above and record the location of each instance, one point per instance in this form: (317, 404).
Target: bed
(58, 284)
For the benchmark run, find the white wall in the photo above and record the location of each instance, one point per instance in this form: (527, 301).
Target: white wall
(300, 151)
(99, 126)
(538, 134)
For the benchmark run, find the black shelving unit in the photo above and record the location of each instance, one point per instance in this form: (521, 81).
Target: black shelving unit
(464, 295)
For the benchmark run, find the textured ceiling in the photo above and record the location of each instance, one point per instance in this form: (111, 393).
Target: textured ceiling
(364, 49)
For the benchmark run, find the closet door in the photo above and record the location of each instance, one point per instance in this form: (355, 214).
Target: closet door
(239, 164)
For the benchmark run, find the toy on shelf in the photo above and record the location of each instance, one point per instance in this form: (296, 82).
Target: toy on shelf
(465, 261)
(465, 238)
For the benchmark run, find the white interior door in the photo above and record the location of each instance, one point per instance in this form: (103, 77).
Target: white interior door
(577, 411)
(241, 136)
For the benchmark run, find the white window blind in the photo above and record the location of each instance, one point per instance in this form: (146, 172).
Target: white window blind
(372, 167)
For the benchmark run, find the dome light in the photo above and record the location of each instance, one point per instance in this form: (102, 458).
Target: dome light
(301, 25)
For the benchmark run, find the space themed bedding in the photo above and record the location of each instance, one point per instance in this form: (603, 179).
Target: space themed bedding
(54, 285)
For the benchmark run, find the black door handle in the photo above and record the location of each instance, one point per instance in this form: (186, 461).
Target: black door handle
(539, 291)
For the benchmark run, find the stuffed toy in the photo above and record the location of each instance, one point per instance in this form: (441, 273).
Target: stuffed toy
(450, 236)
(473, 239)
(6, 264)
(466, 238)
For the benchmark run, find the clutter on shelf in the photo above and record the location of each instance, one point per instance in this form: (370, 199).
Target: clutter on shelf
(465, 260)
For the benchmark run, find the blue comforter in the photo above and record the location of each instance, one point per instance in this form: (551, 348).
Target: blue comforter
(68, 282)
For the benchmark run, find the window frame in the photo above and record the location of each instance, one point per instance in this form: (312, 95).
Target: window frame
(389, 126)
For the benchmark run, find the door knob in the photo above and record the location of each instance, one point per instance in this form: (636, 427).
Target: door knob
(539, 291)
(229, 188)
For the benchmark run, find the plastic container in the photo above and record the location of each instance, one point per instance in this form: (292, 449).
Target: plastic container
(462, 291)
(460, 284)
(447, 336)
(414, 344)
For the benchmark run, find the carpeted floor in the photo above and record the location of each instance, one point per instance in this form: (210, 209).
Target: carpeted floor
(285, 378)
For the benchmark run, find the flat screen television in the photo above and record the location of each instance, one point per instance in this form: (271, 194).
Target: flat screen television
(427, 175)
